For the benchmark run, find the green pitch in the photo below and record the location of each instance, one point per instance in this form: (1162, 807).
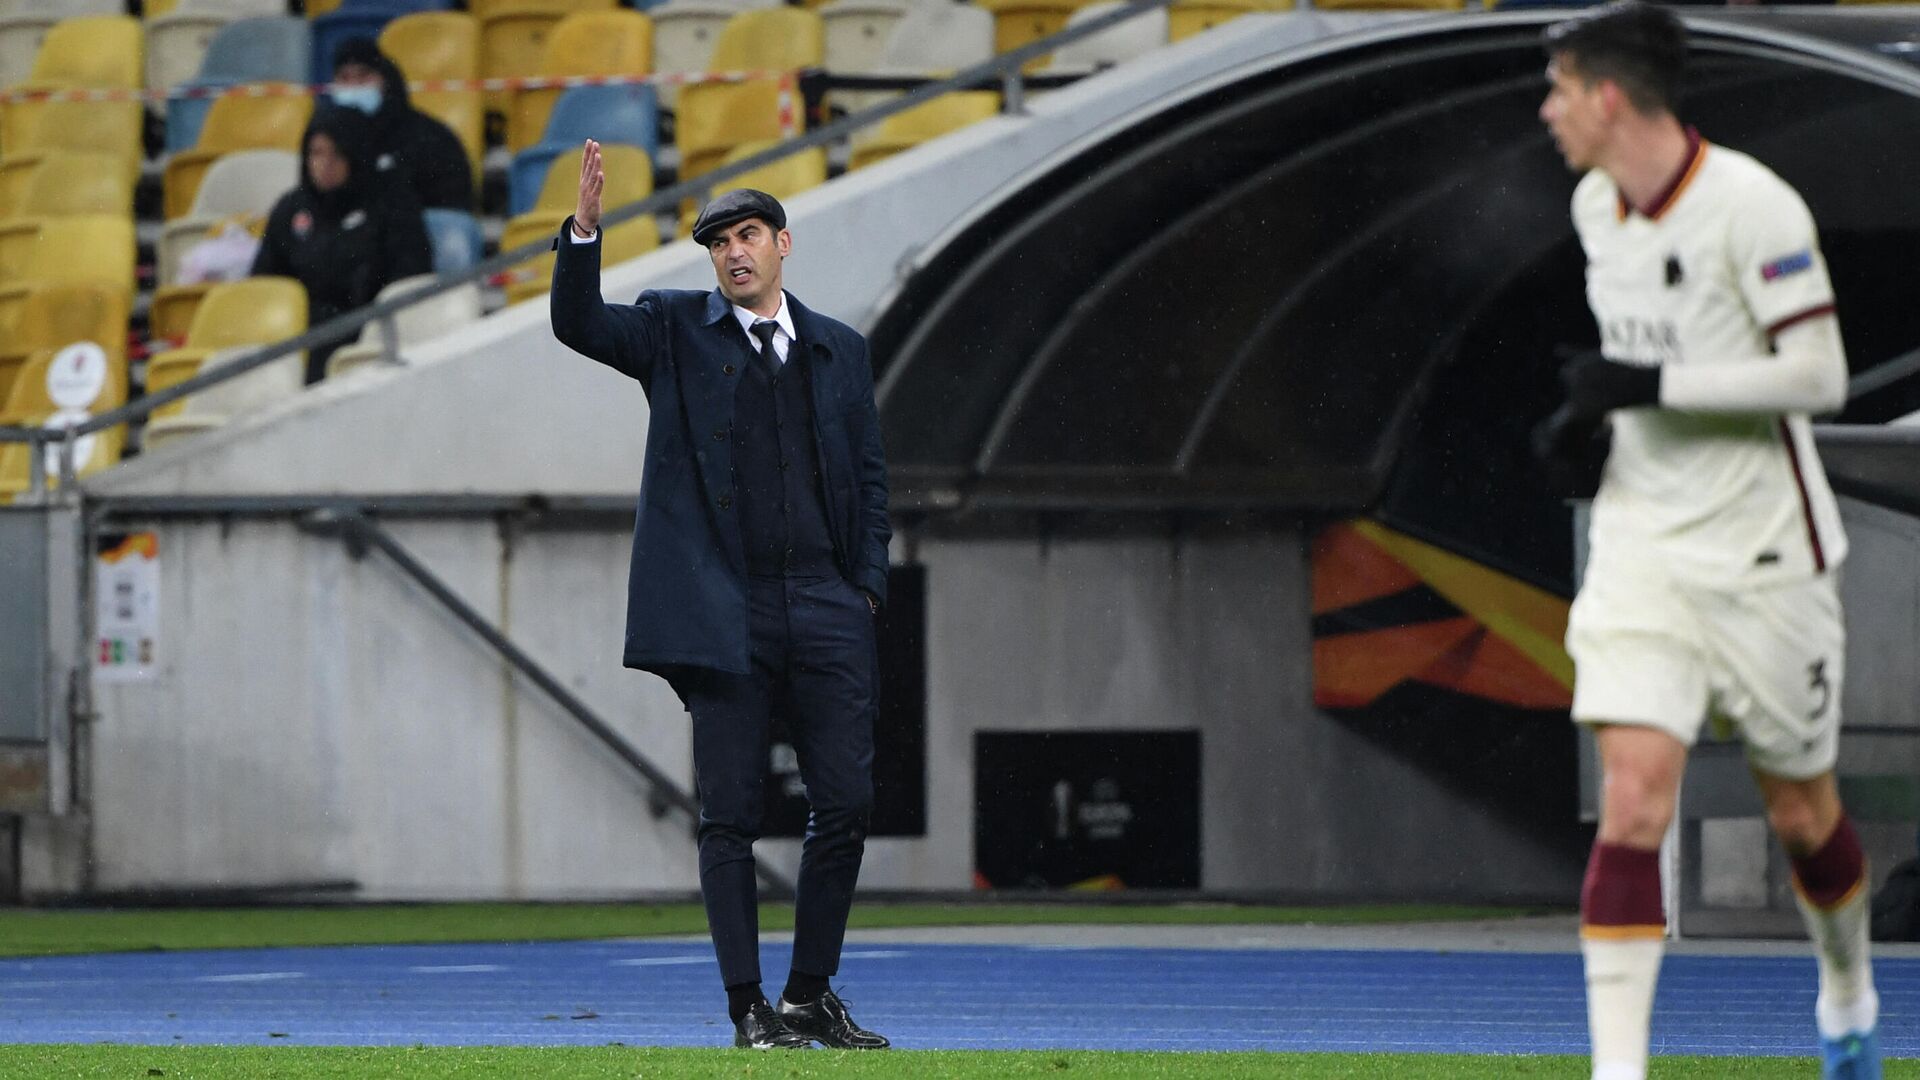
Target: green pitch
(620, 1063)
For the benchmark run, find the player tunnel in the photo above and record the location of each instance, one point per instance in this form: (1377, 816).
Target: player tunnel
(1328, 285)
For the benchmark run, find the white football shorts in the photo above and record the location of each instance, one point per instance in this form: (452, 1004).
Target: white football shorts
(1768, 663)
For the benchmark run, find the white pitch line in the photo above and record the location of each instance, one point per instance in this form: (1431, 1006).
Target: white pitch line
(257, 976)
(663, 961)
(453, 969)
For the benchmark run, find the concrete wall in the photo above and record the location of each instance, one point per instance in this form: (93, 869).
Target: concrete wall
(318, 719)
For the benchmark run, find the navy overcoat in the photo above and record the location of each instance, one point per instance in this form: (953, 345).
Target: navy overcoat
(687, 585)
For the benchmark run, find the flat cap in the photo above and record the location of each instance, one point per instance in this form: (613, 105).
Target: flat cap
(735, 207)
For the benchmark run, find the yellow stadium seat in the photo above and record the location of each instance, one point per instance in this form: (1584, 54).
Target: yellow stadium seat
(153, 9)
(512, 41)
(627, 240)
(905, 130)
(430, 45)
(1020, 22)
(74, 182)
(52, 316)
(92, 248)
(713, 118)
(170, 312)
(629, 179)
(63, 184)
(483, 8)
(177, 42)
(29, 396)
(234, 317)
(618, 42)
(1186, 18)
(313, 9)
(235, 122)
(111, 128)
(96, 52)
(783, 179)
(102, 51)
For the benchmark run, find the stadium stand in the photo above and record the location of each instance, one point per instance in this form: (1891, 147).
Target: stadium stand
(713, 118)
(242, 186)
(272, 48)
(433, 46)
(414, 324)
(233, 317)
(905, 130)
(629, 179)
(685, 34)
(617, 42)
(612, 115)
(235, 122)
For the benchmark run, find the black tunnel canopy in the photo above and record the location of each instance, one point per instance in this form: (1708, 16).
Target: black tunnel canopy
(1242, 299)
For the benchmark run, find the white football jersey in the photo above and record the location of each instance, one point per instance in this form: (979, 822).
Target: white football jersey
(1725, 260)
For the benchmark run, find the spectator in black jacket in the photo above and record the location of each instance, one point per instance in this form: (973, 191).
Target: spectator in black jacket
(347, 231)
(406, 142)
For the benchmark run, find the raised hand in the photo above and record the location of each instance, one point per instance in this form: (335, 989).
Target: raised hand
(586, 212)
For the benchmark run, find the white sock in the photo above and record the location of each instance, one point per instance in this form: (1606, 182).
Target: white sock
(1847, 1001)
(1620, 979)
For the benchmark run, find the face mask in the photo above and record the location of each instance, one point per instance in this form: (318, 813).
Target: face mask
(365, 98)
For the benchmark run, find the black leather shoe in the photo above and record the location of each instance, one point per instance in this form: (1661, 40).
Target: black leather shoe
(826, 1022)
(763, 1029)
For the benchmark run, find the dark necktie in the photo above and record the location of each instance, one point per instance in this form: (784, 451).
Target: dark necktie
(769, 359)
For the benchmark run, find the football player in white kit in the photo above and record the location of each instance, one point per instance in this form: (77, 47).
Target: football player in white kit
(1709, 592)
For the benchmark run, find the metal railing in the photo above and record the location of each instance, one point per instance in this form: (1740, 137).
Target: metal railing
(1003, 70)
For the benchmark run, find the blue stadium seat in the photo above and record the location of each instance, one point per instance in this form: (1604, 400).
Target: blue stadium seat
(622, 115)
(457, 242)
(271, 48)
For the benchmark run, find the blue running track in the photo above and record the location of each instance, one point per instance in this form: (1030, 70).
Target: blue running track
(648, 993)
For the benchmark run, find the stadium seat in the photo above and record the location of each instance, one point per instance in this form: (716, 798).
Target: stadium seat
(1019, 22)
(930, 39)
(1186, 18)
(313, 9)
(242, 185)
(457, 240)
(235, 122)
(74, 182)
(611, 115)
(713, 118)
(413, 324)
(53, 316)
(94, 249)
(20, 38)
(234, 318)
(483, 8)
(905, 130)
(685, 33)
(433, 45)
(96, 52)
(512, 41)
(584, 43)
(111, 128)
(250, 50)
(102, 51)
(170, 311)
(855, 35)
(629, 179)
(1115, 45)
(783, 179)
(177, 42)
(627, 240)
(63, 184)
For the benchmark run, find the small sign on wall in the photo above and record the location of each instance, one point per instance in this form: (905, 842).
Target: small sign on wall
(1087, 809)
(126, 607)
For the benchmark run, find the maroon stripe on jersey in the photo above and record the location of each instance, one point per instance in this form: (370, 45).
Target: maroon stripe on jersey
(1696, 153)
(1794, 320)
(1806, 501)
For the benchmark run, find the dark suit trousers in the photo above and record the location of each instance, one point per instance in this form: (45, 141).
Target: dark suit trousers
(814, 665)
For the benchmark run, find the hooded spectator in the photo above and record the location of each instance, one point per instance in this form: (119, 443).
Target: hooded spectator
(348, 230)
(421, 151)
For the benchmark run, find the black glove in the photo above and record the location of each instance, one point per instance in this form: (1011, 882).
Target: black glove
(1572, 448)
(1597, 386)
